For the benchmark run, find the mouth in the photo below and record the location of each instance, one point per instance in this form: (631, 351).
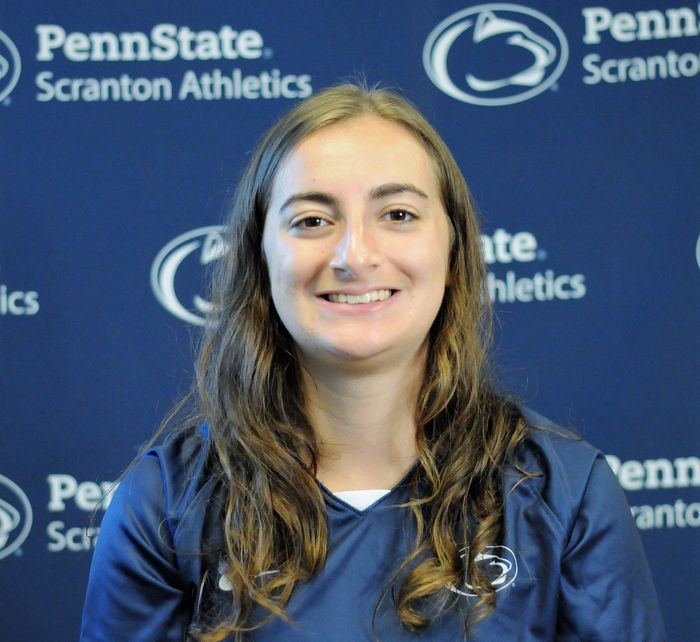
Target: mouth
(357, 299)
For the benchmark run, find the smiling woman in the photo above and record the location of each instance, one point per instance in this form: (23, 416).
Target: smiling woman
(348, 470)
(356, 213)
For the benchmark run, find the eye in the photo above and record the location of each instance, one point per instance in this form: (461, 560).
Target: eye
(309, 222)
(399, 216)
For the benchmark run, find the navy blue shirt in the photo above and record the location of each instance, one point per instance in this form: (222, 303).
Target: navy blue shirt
(570, 568)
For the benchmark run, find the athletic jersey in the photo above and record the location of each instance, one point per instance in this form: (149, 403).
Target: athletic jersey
(569, 568)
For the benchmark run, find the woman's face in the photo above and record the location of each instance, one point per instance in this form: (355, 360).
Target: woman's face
(357, 242)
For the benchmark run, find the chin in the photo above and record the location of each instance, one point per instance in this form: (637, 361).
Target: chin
(363, 354)
(330, 351)
(355, 353)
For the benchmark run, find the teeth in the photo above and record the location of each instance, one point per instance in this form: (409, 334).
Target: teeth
(367, 297)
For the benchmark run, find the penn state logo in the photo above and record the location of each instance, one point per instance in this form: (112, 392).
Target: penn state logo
(10, 66)
(177, 270)
(15, 517)
(495, 54)
(498, 564)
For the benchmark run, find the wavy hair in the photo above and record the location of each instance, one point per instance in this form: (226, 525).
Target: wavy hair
(263, 444)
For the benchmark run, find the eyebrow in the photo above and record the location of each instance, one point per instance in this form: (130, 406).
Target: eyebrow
(390, 189)
(381, 191)
(322, 198)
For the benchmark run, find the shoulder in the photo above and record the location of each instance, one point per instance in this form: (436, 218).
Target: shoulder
(171, 469)
(140, 585)
(167, 483)
(557, 451)
(568, 473)
(182, 463)
(169, 503)
(605, 585)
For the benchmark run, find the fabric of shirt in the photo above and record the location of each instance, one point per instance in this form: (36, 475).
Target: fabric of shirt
(570, 567)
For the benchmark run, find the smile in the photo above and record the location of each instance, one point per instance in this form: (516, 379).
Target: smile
(354, 299)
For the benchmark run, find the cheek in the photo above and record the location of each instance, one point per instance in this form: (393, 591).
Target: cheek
(429, 263)
(275, 258)
(291, 269)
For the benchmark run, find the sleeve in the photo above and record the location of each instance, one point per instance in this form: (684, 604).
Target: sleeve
(607, 592)
(135, 592)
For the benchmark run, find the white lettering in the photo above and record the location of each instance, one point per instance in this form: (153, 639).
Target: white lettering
(687, 471)
(614, 70)
(50, 37)
(539, 287)
(77, 47)
(502, 247)
(681, 22)
(87, 496)
(631, 475)
(623, 27)
(598, 19)
(659, 473)
(134, 47)
(185, 36)
(523, 247)
(216, 85)
(208, 46)
(60, 487)
(653, 474)
(18, 302)
(190, 87)
(166, 41)
(74, 539)
(249, 44)
(676, 515)
(124, 88)
(105, 46)
(652, 26)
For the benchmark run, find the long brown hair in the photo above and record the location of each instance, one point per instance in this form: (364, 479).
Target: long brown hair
(263, 445)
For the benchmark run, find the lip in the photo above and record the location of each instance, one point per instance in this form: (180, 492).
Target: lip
(357, 291)
(358, 308)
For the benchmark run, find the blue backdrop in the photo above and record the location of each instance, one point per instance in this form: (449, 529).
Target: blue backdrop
(123, 129)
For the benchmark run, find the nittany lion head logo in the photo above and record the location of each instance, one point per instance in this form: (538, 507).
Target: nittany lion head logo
(15, 516)
(176, 273)
(495, 54)
(10, 66)
(498, 564)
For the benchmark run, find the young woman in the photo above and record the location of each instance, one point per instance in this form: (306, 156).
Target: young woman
(352, 473)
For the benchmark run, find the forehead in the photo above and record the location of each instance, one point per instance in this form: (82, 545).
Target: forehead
(361, 149)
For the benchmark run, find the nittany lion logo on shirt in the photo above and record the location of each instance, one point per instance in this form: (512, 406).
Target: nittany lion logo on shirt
(498, 564)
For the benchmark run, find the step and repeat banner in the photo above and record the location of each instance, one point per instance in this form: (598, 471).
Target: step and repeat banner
(124, 128)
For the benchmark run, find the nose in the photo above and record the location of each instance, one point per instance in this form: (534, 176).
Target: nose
(355, 250)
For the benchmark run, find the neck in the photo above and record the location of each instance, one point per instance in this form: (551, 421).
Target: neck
(364, 422)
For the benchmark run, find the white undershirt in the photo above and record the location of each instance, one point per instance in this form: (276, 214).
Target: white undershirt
(361, 499)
